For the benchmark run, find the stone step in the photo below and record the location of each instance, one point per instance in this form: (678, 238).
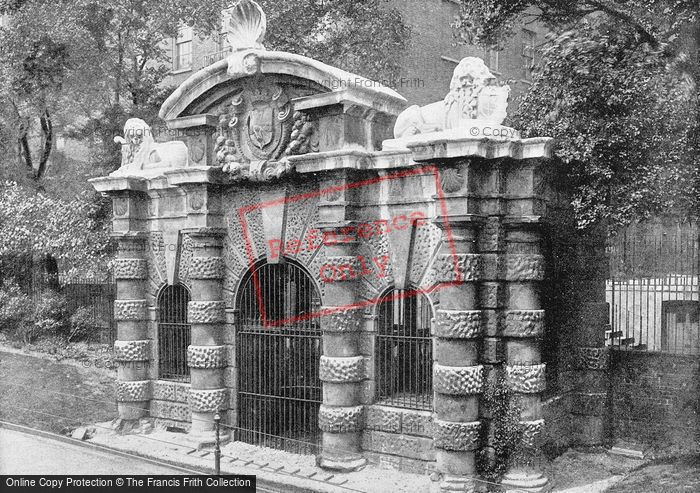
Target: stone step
(627, 450)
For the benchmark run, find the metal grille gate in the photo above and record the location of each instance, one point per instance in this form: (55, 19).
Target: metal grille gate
(279, 390)
(173, 333)
(404, 350)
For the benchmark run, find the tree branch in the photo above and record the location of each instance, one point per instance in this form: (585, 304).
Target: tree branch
(47, 129)
(604, 6)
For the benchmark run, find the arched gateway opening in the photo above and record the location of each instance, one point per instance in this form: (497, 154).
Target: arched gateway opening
(173, 333)
(278, 352)
(404, 350)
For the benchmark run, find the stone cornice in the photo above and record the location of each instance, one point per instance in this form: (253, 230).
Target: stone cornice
(428, 147)
(119, 184)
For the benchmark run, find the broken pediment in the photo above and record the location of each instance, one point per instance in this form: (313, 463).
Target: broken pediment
(259, 107)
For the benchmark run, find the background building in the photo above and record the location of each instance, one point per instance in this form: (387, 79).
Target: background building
(428, 61)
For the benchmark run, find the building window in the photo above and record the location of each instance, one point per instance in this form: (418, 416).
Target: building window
(183, 49)
(493, 58)
(404, 351)
(528, 53)
(173, 333)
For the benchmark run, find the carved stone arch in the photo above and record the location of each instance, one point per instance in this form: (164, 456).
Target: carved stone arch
(164, 285)
(389, 288)
(262, 261)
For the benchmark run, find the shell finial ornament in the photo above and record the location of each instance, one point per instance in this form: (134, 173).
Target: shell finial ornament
(246, 26)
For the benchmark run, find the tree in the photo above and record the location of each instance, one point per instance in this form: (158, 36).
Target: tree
(82, 67)
(617, 88)
(79, 61)
(366, 37)
(36, 224)
(91, 64)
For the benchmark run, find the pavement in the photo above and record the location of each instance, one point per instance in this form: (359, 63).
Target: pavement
(275, 468)
(22, 453)
(28, 451)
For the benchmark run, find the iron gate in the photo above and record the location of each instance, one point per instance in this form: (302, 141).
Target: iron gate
(404, 350)
(173, 333)
(279, 390)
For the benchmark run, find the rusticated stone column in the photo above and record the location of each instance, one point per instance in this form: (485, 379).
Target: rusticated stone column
(341, 416)
(523, 328)
(458, 378)
(132, 349)
(206, 314)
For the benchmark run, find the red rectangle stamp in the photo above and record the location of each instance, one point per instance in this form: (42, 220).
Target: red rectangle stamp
(354, 267)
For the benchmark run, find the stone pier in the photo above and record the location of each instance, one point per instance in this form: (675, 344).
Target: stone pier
(206, 356)
(523, 329)
(132, 349)
(458, 378)
(341, 368)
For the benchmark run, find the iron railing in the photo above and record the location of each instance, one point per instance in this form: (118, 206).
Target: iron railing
(653, 289)
(279, 390)
(97, 294)
(173, 333)
(403, 357)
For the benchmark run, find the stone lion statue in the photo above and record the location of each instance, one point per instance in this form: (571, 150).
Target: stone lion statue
(141, 152)
(474, 95)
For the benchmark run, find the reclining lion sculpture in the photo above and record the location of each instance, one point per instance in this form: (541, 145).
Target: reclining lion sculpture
(140, 152)
(474, 96)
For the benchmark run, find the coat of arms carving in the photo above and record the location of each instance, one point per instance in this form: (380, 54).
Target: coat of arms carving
(261, 120)
(255, 131)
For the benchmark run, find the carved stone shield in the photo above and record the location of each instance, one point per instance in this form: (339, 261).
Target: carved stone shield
(261, 125)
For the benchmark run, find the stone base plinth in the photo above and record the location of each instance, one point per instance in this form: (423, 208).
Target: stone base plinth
(342, 464)
(518, 482)
(133, 410)
(450, 484)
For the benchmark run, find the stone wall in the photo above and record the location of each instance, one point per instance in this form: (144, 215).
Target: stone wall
(399, 438)
(655, 400)
(169, 404)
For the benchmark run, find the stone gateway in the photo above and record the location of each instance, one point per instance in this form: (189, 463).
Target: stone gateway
(388, 366)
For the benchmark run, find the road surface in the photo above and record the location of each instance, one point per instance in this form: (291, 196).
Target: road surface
(27, 453)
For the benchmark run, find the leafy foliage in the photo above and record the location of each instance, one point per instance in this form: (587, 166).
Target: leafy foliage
(82, 323)
(85, 66)
(88, 65)
(15, 307)
(617, 88)
(36, 222)
(365, 37)
(27, 321)
(72, 62)
(505, 412)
